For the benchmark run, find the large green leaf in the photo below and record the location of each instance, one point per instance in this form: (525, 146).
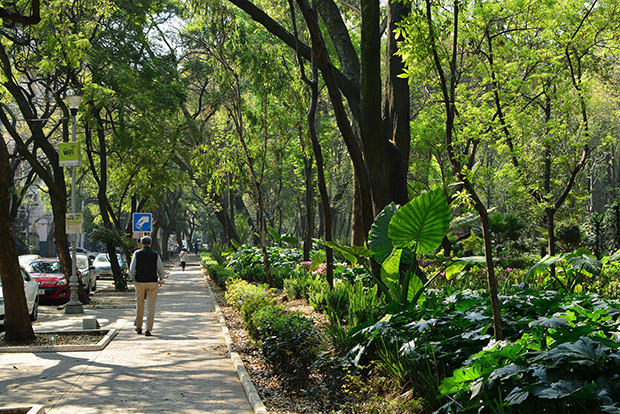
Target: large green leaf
(378, 239)
(390, 272)
(352, 253)
(422, 223)
(415, 285)
(587, 263)
(542, 265)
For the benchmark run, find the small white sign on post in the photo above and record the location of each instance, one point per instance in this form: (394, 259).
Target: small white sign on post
(74, 223)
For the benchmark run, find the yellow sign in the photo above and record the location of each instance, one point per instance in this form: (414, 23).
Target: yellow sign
(74, 223)
(69, 154)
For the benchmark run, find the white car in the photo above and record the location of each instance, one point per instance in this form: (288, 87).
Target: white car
(87, 270)
(26, 259)
(32, 297)
(103, 266)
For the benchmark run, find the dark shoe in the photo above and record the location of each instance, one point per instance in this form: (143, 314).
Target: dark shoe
(139, 330)
(147, 333)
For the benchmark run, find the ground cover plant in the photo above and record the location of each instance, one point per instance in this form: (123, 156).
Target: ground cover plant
(560, 353)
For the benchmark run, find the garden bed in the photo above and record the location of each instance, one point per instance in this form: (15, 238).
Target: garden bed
(63, 341)
(276, 398)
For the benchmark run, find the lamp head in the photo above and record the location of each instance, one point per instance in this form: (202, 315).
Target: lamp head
(74, 101)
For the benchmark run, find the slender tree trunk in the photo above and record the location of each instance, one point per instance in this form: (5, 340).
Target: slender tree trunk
(308, 232)
(238, 119)
(320, 172)
(448, 88)
(101, 177)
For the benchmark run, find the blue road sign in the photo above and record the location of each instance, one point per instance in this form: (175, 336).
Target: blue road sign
(142, 222)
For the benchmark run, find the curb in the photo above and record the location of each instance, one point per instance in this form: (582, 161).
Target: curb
(244, 377)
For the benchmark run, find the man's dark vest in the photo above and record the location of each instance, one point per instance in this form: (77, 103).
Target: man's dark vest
(146, 265)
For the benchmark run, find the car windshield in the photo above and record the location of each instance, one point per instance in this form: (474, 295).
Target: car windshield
(45, 267)
(103, 257)
(81, 262)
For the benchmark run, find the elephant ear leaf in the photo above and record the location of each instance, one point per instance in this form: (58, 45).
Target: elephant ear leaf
(378, 239)
(422, 223)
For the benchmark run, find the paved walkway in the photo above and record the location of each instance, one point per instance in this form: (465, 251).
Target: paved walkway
(183, 368)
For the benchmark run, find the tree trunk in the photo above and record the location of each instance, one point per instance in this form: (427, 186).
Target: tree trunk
(308, 232)
(448, 86)
(320, 171)
(491, 280)
(16, 322)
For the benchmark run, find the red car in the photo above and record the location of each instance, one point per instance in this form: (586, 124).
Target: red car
(53, 285)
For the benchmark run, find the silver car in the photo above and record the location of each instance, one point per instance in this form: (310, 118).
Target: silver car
(87, 270)
(32, 297)
(103, 266)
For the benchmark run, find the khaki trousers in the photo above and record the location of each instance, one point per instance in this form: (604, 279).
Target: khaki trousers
(148, 291)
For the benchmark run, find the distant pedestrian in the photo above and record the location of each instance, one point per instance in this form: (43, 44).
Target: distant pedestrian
(183, 257)
(147, 272)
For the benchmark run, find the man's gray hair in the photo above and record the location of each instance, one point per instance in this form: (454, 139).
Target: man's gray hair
(146, 240)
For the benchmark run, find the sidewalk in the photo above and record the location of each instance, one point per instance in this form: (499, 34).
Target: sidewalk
(183, 368)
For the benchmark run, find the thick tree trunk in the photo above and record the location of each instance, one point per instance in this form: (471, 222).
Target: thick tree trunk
(228, 227)
(16, 323)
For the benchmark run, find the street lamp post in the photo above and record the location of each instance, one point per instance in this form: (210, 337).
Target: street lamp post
(74, 305)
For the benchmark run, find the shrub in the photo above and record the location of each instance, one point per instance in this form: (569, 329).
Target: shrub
(206, 260)
(255, 301)
(364, 306)
(291, 348)
(238, 291)
(221, 275)
(297, 285)
(279, 274)
(217, 252)
(252, 273)
(261, 321)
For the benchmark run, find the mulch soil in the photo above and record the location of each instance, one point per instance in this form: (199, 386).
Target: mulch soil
(59, 338)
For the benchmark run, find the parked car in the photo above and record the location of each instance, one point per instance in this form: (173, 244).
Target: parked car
(87, 272)
(103, 266)
(81, 250)
(26, 259)
(32, 297)
(53, 284)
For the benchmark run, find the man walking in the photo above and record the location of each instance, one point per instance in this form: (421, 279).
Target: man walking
(147, 272)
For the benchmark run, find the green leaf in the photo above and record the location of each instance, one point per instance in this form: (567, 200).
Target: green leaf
(587, 263)
(454, 269)
(390, 271)
(292, 240)
(415, 285)
(459, 380)
(614, 257)
(378, 239)
(544, 263)
(422, 223)
(352, 253)
(517, 396)
(274, 234)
